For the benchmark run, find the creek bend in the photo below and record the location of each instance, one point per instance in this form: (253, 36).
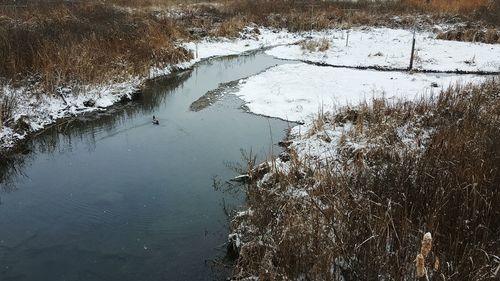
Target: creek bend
(110, 196)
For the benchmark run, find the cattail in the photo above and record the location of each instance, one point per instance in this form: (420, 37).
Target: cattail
(425, 249)
(420, 263)
(436, 264)
(426, 245)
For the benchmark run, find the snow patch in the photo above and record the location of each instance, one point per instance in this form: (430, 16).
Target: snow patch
(298, 92)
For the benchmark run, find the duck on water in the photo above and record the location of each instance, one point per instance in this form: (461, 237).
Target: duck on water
(155, 121)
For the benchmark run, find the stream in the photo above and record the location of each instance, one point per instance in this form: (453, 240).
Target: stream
(110, 196)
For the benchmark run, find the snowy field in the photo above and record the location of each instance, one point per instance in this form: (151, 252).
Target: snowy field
(391, 48)
(298, 92)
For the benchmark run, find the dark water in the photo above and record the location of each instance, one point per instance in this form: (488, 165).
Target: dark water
(113, 197)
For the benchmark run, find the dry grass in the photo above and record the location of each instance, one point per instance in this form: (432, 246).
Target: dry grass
(317, 45)
(84, 43)
(362, 214)
(484, 10)
(306, 15)
(490, 36)
(448, 6)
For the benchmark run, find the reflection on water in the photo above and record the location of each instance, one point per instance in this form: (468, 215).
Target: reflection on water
(11, 167)
(84, 129)
(109, 196)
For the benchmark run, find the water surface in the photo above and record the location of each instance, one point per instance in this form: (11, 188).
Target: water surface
(114, 197)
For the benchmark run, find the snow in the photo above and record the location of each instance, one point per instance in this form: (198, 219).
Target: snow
(43, 110)
(298, 92)
(391, 48)
(250, 41)
(314, 145)
(236, 239)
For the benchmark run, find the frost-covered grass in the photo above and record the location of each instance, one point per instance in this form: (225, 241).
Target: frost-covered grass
(356, 190)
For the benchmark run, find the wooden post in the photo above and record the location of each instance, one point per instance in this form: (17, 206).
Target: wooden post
(312, 16)
(347, 40)
(412, 51)
(196, 44)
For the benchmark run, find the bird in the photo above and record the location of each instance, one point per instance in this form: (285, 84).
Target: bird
(155, 121)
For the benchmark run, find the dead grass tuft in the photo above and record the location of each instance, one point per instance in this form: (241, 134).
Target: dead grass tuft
(315, 45)
(7, 105)
(230, 28)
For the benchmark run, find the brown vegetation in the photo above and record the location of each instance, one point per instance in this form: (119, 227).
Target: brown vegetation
(448, 6)
(305, 15)
(362, 213)
(60, 42)
(84, 43)
(489, 36)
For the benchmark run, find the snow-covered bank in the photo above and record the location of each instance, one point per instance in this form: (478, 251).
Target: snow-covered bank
(251, 38)
(391, 48)
(297, 92)
(34, 112)
(338, 198)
